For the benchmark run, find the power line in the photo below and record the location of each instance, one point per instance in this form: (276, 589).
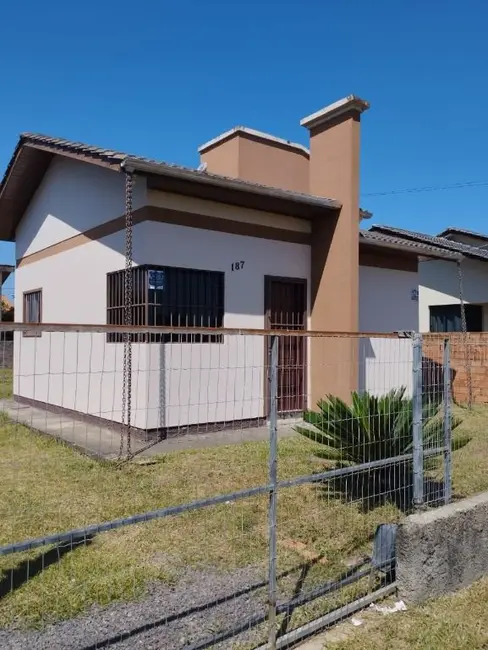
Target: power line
(429, 188)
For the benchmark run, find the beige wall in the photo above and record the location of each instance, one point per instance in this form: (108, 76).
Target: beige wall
(223, 159)
(334, 173)
(259, 161)
(330, 169)
(226, 211)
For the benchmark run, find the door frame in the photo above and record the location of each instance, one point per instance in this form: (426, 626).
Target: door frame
(268, 279)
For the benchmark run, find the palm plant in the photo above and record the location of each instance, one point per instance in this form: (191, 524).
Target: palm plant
(370, 429)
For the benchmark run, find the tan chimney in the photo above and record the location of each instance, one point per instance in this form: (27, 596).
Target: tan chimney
(334, 173)
(257, 157)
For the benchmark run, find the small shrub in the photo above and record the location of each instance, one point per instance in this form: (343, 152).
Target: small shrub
(370, 429)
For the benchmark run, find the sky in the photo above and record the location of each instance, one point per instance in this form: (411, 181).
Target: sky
(159, 78)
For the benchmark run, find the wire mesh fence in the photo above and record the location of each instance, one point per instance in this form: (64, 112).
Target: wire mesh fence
(265, 470)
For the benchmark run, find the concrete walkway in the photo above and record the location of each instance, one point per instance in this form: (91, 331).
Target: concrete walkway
(104, 442)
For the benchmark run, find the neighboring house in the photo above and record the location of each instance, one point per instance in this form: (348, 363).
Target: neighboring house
(7, 308)
(439, 280)
(264, 235)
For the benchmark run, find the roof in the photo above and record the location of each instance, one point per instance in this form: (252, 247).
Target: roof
(332, 111)
(5, 271)
(34, 152)
(398, 243)
(462, 231)
(253, 133)
(463, 250)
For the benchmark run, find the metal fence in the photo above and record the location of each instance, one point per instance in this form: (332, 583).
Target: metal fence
(215, 503)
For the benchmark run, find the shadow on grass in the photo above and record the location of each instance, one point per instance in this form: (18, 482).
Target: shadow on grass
(296, 592)
(28, 569)
(375, 488)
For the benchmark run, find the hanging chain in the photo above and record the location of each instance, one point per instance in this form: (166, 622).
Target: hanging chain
(127, 369)
(464, 329)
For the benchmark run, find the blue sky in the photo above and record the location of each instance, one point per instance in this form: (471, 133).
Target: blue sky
(158, 78)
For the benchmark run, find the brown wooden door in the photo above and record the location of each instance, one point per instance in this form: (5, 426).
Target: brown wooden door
(286, 309)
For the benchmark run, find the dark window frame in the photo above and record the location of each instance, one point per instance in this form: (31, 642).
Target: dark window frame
(474, 317)
(149, 309)
(26, 296)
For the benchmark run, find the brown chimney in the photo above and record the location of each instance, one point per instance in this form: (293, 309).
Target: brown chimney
(257, 157)
(334, 173)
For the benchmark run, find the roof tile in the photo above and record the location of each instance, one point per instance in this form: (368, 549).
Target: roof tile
(441, 242)
(428, 249)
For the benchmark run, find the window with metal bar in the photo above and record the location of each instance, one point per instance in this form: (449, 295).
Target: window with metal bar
(447, 318)
(168, 296)
(32, 309)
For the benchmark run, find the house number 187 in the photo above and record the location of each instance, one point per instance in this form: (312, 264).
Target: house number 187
(237, 266)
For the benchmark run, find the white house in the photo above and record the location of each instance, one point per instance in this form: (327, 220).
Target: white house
(441, 282)
(250, 241)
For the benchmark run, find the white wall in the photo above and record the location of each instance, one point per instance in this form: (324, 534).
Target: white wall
(72, 198)
(173, 384)
(386, 305)
(202, 383)
(439, 285)
(67, 369)
(76, 371)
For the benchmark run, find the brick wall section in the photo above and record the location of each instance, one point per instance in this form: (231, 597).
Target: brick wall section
(476, 348)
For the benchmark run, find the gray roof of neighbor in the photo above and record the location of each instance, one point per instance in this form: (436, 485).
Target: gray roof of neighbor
(464, 250)
(462, 231)
(396, 242)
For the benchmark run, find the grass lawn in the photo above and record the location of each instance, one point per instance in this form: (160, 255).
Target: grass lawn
(6, 383)
(457, 622)
(46, 487)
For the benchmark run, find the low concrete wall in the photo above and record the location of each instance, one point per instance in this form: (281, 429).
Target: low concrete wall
(443, 550)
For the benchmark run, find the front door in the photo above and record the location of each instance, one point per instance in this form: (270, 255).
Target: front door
(286, 309)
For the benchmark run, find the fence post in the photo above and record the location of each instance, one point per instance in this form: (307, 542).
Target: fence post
(447, 422)
(273, 495)
(418, 452)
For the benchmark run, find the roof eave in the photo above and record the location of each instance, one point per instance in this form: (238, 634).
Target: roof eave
(468, 251)
(237, 185)
(254, 133)
(418, 251)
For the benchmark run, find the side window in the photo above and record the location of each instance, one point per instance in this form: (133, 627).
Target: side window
(32, 309)
(447, 318)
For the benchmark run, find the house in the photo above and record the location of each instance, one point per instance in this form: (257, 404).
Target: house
(264, 235)
(7, 308)
(439, 280)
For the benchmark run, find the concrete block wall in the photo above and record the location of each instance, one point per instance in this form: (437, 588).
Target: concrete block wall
(475, 348)
(443, 550)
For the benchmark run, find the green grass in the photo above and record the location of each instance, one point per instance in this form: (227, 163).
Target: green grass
(47, 487)
(6, 383)
(457, 622)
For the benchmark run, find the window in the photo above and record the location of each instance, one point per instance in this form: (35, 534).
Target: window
(447, 318)
(168, 296)
(32, 309)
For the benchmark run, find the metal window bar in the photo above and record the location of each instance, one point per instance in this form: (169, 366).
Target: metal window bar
(32, 309)
(188, 298)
